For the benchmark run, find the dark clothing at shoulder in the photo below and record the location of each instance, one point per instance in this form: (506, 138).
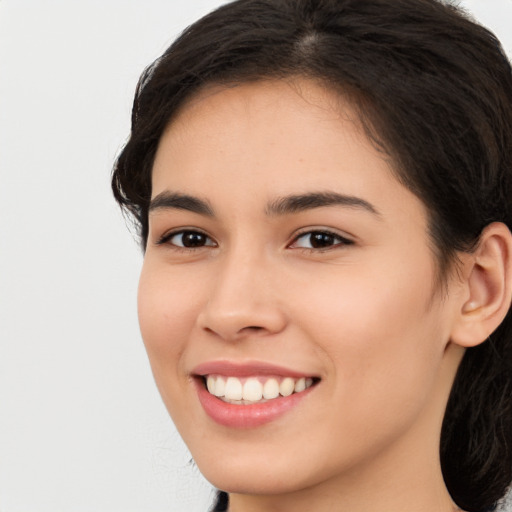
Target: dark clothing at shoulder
(222, 502)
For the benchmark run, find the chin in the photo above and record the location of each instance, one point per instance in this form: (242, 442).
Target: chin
(257, 481)
(259, 470)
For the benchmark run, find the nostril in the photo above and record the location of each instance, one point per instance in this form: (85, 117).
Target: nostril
(251, 329)
(246, 330)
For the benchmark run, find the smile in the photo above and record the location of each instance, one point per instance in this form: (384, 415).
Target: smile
(256, 389)
(251, 394)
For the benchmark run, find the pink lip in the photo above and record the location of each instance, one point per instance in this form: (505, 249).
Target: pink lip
(245, 416)
(245, 369)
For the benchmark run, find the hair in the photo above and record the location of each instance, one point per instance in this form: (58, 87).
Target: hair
(433, 89)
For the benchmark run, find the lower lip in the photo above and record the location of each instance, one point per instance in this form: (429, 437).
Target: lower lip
(246, 416)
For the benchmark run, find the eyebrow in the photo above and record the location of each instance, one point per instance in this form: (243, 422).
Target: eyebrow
(280, 206)
(179, 201)
(302, 202)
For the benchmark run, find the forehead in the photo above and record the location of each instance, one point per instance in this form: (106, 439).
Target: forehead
(275, 138)
(256, 96)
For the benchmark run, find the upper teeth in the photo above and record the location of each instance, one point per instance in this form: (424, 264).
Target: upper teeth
(254, 389)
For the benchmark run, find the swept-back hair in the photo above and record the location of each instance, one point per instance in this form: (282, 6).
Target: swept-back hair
(433, 90)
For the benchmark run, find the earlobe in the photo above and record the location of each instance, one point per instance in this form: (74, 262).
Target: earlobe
(488, 283)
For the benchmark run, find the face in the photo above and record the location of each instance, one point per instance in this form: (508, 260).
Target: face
(290, 273)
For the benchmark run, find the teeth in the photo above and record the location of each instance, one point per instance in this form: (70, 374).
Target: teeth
(220, 386)
(271, 389)
(287, 386)
(233, 389)
(254, 389)
(300, 385)
(210, 384)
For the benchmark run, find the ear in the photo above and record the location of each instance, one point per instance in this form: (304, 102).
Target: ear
(487, 282)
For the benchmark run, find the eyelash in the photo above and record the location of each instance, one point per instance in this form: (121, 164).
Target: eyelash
(340, 241)
(166, 239)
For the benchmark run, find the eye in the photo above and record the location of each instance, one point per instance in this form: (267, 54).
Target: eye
(187, 239)
(319, 240)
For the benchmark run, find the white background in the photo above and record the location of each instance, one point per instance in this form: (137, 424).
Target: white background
(81, 425)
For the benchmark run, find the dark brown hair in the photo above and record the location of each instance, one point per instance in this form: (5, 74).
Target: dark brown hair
(433, 90)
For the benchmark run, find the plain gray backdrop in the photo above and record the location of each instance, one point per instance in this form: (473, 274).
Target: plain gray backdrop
(82, 428)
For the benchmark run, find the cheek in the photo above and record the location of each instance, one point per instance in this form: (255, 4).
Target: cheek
(379, 334)
(166, 315)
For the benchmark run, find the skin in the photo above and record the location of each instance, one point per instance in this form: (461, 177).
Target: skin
(368, 317)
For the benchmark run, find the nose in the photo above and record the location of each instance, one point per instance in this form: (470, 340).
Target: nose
(243, 300)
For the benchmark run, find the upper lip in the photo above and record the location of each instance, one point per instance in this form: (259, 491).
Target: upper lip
(246, 369)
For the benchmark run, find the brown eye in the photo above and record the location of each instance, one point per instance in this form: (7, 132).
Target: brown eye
(319, 240)
(189, 240)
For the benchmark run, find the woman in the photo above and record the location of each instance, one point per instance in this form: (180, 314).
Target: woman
(322, 190)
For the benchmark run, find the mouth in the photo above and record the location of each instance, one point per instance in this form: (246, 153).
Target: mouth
(250, 395)
(256, 389)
